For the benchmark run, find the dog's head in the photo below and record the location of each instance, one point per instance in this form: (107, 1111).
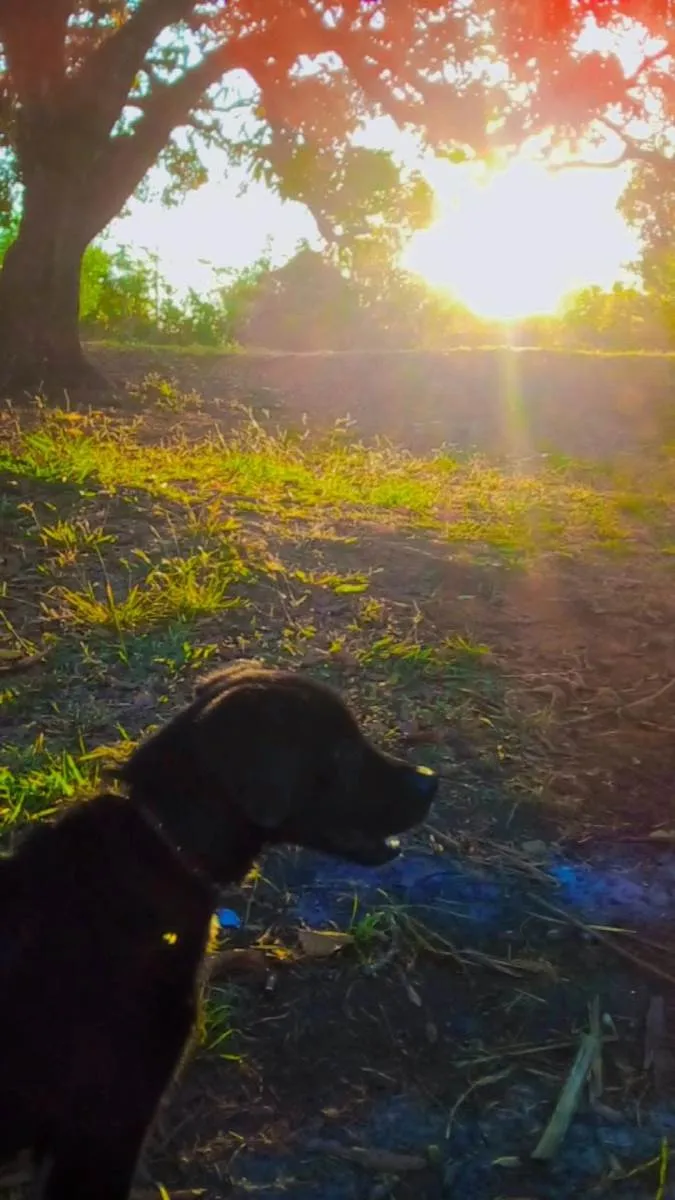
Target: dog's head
(284, 755)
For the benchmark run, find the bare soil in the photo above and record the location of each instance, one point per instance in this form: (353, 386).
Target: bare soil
(496, 401)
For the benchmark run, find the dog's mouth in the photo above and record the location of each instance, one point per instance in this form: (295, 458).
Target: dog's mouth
(365, 849)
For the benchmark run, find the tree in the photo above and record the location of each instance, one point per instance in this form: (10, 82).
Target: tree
(648, 205)
(93, 92)
(605, 84)
(366, 205)
(307, 304)
(619, 319)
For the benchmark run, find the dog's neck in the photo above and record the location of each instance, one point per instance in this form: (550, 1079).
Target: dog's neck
(191, 862)
(215, 865)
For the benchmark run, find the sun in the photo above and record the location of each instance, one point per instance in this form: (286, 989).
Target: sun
(514, 243)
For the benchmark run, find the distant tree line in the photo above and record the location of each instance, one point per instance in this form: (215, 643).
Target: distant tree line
(311, 304)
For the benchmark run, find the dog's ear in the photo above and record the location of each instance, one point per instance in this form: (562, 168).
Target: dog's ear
(265, 790)
(244, 745)
(263, 780)
(219, 681)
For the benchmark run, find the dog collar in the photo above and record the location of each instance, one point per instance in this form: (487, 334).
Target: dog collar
(187, 860)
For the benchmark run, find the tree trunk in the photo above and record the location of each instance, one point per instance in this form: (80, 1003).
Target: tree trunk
(40, 349)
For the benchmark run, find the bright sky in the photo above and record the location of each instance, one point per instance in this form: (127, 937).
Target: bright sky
(507, 245)
(518, 242)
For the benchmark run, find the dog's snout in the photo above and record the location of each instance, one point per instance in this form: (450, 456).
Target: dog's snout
(426, 783)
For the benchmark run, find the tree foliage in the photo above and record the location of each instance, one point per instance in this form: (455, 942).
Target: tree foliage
(101, 89)
(124, 297)
(619, 319)
(648, 205)
(601, 83)
(108, 87)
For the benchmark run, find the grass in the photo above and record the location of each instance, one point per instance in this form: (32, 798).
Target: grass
(143, 559)
(159, 350)
(216, 1024)
(196, 350)
(69, 539)
(176, 589)
(155, 389)
(468, 503)
(34, 782)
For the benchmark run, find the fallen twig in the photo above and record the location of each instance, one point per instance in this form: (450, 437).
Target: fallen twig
(595, 1082)
(655, 1031)
(656, 835)
(568, 1101)
(527, 1049)
(15, 666)
(515, 967)
(657, 1055)
(619, 1176)
(653, 696)
(605, 940)
(622, 708)
(157, 1192)
(485, 1081)
(515, 859)
(519, 861)
(429, 940)
(370, 1158)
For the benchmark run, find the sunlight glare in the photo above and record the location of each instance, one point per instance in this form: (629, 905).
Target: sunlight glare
(514, 243)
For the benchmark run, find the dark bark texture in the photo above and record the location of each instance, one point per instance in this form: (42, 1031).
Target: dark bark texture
(39, 296)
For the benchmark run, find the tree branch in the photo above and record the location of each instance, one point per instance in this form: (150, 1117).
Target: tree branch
(357, 52)
(128, 158)
(405, 100)
(105, 80)
(649, 61)
(636, 151)
(607, 164)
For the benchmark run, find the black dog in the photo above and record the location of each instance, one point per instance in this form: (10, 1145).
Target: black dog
(104, 916)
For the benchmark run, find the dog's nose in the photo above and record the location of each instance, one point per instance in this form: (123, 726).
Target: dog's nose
(426, 782)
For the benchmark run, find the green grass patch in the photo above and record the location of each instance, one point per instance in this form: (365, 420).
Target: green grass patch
(451, 658)
(34, 782)
(215, 1025)
(136, 566)
(177, 589)
(469, 502)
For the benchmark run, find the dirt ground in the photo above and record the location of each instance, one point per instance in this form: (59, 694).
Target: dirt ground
(425, 1057)
(494, 401)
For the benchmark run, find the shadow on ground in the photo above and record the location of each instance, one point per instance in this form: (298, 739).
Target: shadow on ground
(449, 1039)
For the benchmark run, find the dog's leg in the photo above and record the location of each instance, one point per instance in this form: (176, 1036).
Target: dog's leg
(94, 1170)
